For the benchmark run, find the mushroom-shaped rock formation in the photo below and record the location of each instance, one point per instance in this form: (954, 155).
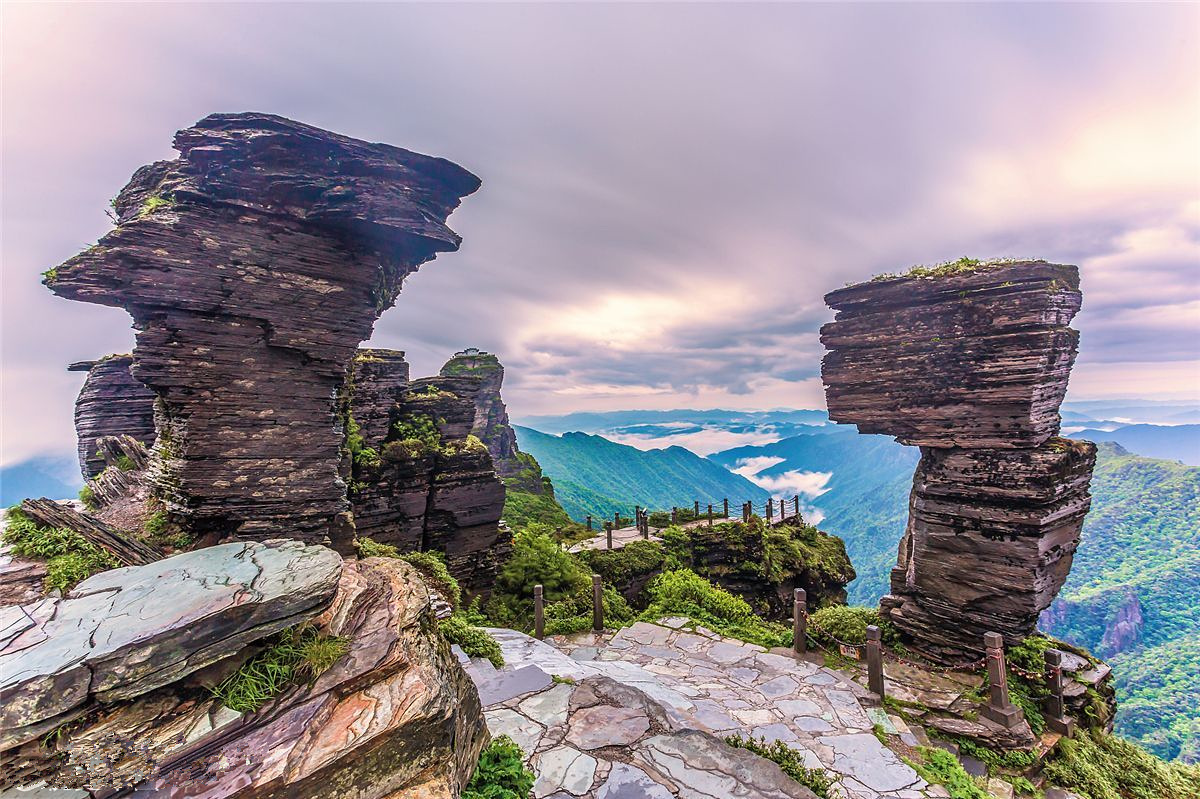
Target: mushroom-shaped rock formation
(253, 265)
(969, 362)
(421, 480)
(111, 403)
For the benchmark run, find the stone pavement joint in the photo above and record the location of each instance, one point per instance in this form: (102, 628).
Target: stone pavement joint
(647, 708)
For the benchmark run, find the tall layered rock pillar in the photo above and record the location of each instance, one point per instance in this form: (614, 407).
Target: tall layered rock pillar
(970, 363)
(253, 265)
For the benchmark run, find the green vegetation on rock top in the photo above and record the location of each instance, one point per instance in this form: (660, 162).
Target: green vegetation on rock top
(300, 653)
(69, 557)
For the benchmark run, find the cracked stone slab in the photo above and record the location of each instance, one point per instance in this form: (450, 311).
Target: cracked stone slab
(629, 782)
(604, 725)
(563, 769)
(862, 757)
(549, 707)
(706, 768)
(115, 637)
(525, 732)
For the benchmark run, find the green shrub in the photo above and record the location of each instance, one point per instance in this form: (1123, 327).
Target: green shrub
(69, 557)
(849, 624)
(789, 760)
(574, 614)
(942, 768)
(1101, 766)
(125, 463)
(295, 654)
(412, 437)
(684, 593)
(501, 773)
(370, 548)
(622, 566)
(536, 559)
(88, 498)
(475, 642)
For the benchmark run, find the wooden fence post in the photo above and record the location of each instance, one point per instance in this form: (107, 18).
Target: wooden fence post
(1056, 713)
(696, 509)
(597, 604)
(875, 661)
(646, 525)
(726, 504)
(799, 621)
(589, 523)
(770, 510)
(797, 500)
(999, 708)
(617, 520)
(710, 514)
(539, 613)
(608, 533)
(674, 514)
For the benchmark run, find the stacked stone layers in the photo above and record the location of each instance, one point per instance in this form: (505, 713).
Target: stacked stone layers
(979, 359)
(111, 403)
(253, 265)
(491, 425)
(978, 556)
(972, 367)
(440, 493)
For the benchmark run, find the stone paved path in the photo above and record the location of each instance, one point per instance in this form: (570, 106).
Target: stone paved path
(651, 703)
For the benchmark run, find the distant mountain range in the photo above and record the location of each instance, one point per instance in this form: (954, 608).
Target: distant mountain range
(1179, 442)
(593, 475)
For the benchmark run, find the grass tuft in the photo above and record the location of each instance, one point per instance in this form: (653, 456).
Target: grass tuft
(301, 653)
(789, 760)
(69, 557)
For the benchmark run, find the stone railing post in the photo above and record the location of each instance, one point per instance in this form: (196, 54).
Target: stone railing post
(999, 708)
(725, 513)
(770, 510)
(875, 661)
(696, 509)
(747, 512)
(608, 533)
(674, 515)
(796, 500)
(1056, 712)
(617, 520)
(539, 613)
(799, 621)
(646, 525)
(589, 523)
(597, 604)
(710, 514)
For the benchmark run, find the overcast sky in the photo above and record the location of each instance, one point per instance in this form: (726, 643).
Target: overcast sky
(668, 191)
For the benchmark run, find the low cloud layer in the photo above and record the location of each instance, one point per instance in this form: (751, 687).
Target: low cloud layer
(668, 191)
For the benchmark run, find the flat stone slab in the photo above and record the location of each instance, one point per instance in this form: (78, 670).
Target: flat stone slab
(127, 631)
(563, 769)
(629, 782)
(868, 761)
(603, 725)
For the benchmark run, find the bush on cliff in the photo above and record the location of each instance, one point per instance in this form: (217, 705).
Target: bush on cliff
(1097, 765)
(69, 557)
(475, 642)
(430, 565)
(501, 773)
(574, 614)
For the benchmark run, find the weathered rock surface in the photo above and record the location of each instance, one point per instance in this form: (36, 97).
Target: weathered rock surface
(491, 425)
(253, 265)
(971, 366)
(652, 703)
(125, 632)
(111, 403)
(978, 359)
(980, 557)
(395, 716)
(433, 485)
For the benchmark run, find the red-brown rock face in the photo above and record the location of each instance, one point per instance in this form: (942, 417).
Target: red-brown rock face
(971, 366)
(253, 265)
